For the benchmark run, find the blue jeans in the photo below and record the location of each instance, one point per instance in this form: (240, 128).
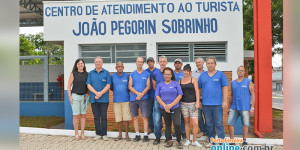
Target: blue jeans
(100, 111)
(182, 124)
(214, 119)
(157, 119)
(201, 123)
(150, 113)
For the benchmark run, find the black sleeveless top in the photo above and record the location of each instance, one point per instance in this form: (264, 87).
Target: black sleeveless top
(79, 83)
(189, 95)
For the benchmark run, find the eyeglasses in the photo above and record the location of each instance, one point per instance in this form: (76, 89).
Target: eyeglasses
(167, 74)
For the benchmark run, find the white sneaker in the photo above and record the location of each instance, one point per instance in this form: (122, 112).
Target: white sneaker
(208, 145)
(97, 137)
(196, 144)
(105, 138)
(187, 143)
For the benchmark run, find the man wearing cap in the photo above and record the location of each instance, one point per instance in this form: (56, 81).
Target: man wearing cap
(196, 74)
(151, 94)
(179, 75)
(156, 79)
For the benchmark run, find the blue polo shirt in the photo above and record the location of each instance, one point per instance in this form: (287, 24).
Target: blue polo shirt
(168, 92)
(139, 83)
(151, 92)
(98, 81)
(241, 95)
(178, 76)
(158, 76)
(212, 87)
(119, 84)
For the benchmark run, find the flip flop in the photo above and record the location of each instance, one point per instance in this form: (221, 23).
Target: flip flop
(82, 137)
(128, 139)
(76, 137)
(118, 139)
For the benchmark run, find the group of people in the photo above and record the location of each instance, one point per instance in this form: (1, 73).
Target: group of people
(181, 96)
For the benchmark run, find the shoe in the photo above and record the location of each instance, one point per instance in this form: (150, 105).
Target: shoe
(156, 141)
(146, 139)
(183, 136)
(137, 138)
(187, 143)
(97, 137)
(244, 143)
(174, 134)
(208, 145)
(199, 135)
(169, 143)
(105, 138)
(179, 145)
(196, 144)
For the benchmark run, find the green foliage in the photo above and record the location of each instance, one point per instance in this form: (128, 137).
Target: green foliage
(34, 45)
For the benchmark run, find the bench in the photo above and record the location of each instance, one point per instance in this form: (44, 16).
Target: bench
(35, 95)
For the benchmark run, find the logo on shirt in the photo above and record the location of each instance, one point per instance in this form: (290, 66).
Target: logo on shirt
(216, 80)
(244, 86)
(103, 80)
(144, 78)
(124, 80)
(171, 87)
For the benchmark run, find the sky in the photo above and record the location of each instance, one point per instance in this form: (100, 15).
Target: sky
(276, 60)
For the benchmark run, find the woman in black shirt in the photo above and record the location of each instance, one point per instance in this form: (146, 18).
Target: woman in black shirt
(78, 96)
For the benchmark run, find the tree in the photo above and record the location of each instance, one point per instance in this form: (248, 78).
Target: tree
(41, 48)
(27, 49)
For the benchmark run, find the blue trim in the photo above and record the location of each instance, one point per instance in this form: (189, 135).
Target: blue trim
(68, 113)
(42, 109)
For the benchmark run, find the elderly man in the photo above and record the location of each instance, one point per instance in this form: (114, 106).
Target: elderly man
(241, 103)
(214, 86)
(196, 74)
(122, 112)
(139, 85)
(98, 82)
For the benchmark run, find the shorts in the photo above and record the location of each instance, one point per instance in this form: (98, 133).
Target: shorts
(122, 111)
(234, 115)
(135, 105)
(79, 106)
(189, 110)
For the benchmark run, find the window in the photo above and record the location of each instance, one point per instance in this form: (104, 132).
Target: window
(126, 53)
(189, 51)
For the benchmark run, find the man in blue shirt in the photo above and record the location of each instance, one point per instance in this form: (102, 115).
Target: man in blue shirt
(122, 112)
(241, 102)
(139, 85)
(196, 74)
(151, 94)
(179, 75)
(214, 86)
(98, 82)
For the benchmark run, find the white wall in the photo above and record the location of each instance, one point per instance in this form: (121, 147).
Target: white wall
(35, 73)
(230, 30)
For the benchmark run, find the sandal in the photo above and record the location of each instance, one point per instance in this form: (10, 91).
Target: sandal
(76, 137)
(128, 139)
(118, 138)
(82, 137)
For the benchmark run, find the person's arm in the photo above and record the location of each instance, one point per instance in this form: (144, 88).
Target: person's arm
(131, 88)
(154, 82)
(176, 101)
(195, 82)
(71, 79)
(225, 97)
(251, 88)
(112, 83)
(147, 87)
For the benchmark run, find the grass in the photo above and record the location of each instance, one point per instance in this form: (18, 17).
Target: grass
(40, 122)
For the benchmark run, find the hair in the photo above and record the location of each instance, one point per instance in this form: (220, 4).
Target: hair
(75, 69)
(163, 57)
(169, 69)
(187, 67)
(214, 58)
(119, 62)
(199, 58)
(140, 57)
(98, 57)
(239, 67)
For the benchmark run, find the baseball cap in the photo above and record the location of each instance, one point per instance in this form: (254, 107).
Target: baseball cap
(178, 60)
(150, 59)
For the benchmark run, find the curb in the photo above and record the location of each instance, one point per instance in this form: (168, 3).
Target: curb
(63, 132)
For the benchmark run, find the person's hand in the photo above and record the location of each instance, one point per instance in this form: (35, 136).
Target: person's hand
(167, 110)
(225, 106)
(168, 106)
(139, 96)
(251, 111)
(96, 97)
(98, 94)
(71, 100)
(197, 105)
(200, 105)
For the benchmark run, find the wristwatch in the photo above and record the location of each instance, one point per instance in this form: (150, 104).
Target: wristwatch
(252, 108)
